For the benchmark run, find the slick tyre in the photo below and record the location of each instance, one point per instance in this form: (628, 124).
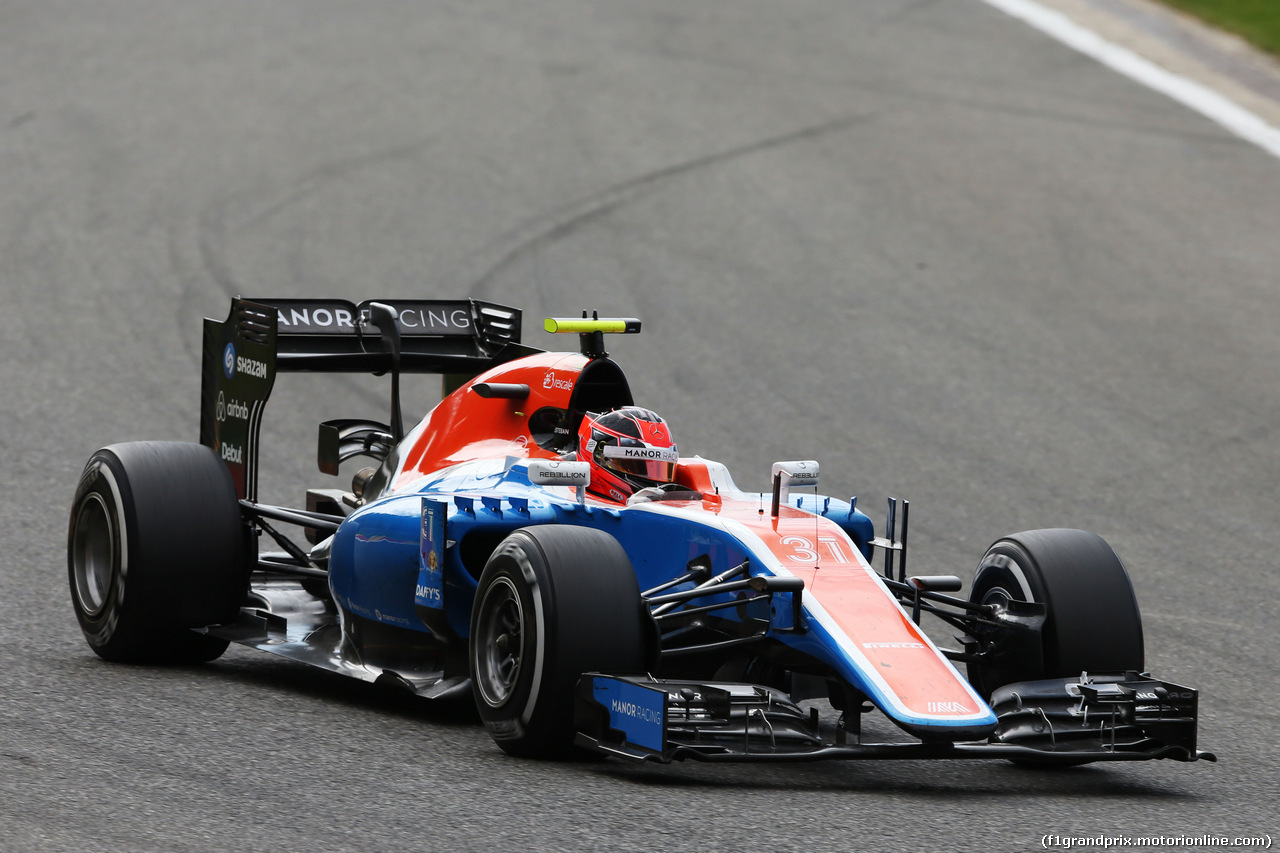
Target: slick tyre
(1092, 621)
(552, 603)
(155, 547)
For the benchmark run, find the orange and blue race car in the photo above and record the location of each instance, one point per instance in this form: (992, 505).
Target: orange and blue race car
(539, 545)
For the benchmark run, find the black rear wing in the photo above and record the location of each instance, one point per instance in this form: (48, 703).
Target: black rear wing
(457, 338)
(437, 335)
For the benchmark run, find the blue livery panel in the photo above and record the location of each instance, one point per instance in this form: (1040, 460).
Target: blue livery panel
(429, 592)
(638, 712)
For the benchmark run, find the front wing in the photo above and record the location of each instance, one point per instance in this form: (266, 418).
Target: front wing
(1114, 717)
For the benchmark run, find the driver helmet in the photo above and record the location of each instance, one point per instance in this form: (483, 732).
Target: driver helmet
(628, 449)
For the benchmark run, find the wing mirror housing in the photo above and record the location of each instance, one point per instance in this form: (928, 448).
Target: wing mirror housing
(556, 472)
(800, 472)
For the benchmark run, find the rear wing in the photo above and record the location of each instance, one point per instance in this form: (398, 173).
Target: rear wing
(457, 338)
(437, 335)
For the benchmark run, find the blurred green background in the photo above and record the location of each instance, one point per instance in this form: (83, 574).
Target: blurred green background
(1257, 21)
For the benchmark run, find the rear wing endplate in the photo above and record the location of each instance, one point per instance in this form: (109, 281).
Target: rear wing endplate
(457, 338)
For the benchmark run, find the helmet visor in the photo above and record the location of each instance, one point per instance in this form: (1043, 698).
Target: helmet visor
(644, 462)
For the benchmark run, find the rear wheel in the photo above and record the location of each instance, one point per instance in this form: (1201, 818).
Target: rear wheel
(552, 603)
(156, 547)
(1092, 622)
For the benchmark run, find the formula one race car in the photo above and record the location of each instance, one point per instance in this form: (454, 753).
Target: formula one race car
(537, 545)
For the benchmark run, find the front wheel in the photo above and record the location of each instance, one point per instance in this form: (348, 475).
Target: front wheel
(156, 547)
(552, 603)
(1092, 622)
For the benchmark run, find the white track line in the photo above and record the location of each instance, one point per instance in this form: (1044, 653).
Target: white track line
(1235, 118)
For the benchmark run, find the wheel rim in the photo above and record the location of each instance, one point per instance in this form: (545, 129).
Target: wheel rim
(93, 554)
(499, 642)
(999, 596)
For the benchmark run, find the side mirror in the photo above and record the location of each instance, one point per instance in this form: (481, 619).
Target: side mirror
(802, 472)
(555, 472)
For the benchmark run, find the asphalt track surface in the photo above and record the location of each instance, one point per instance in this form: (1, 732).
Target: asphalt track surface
(917, 241)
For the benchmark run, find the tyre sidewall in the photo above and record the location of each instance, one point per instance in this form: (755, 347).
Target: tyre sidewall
(1002, 575)
(103, 627)
(1008, 569)
(521, 563)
